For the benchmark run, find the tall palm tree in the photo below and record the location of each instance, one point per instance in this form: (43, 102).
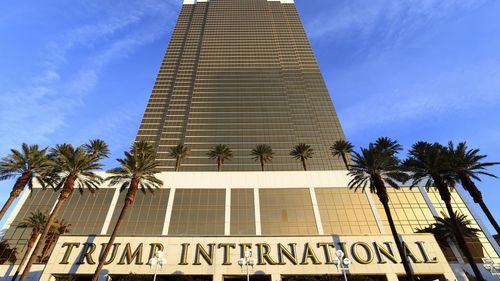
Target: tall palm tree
(179, 153)
(340, 149)
(466, 165)
(221, 153)
(75, 168)
(302, 152)
(37, 221)
(262, 153)
(432, 163)
(27, 165)
(137, 171)
(374, 167)
(60, 227)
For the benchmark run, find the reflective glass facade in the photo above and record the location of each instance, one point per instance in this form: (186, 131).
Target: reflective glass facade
(241, 73)
(17, 237)
(145, 216)
(480, 247)
(345, 211)
(287, 212)
(242, 212)
(408, 208)
(198, 212)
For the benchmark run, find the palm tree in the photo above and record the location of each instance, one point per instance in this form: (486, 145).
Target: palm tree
(97, 148)
(443, 228)
(7, 254)
(178, 153)
(75, 168)
(220, 152)
(60, 227)
(27, 165)
(432, 163)
(137, 171)
(302, 152)
(374, 167)
(467, 164)
(340, 149)
(263, 153)
(37, 222)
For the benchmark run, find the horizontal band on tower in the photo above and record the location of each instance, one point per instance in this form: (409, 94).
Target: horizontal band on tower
(191, 2)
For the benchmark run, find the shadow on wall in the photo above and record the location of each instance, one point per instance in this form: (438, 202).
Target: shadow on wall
(497, 238)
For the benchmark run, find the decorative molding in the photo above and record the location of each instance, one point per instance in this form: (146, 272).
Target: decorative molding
(227, 222)
(256, 201)
(317, 215)
(375, 212)
(168, 212)
(111, 210)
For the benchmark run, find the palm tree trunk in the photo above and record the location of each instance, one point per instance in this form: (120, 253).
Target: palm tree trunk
(474, 192)
(262, 164)
(461, 242)
(489, 215)
(219, 165)
(51, 220)
(384, 199)
(46, 247)
(16, 191)
(65, 193)
(304, 163)
(446, 197)
(132, 192)
(177, 164)
(344, 158)
(29, 246)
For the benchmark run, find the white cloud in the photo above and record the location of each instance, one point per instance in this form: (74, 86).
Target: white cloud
(71, 66)
(362, 18)
(448, 93)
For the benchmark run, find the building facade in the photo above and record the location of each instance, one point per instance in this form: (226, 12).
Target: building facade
(242, 73)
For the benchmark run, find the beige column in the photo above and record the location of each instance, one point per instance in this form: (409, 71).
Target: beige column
(392, 277)
(218, 277)
(275, 277)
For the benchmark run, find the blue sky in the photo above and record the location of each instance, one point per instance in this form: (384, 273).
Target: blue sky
(409, 69)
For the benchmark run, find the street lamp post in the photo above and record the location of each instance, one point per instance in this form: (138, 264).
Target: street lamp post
(492, 267)
(158, 259)
(247, 261)
(341, 262)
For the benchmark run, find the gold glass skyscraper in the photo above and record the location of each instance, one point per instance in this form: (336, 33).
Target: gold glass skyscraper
(241, 73)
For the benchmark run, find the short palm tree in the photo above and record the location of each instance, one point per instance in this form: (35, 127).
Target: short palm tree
(443, 228)
(340, 149)
(372, 168)
(75, 168)
(221, 153)
(466, 165)
(302, 152)
(179, 153)
(262, 153)
(37, 222)
(137, 172)
(97, 148)
(27, 165)
(60, 227)
(432, 163)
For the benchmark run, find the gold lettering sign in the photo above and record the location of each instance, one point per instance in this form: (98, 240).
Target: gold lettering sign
(266, 254)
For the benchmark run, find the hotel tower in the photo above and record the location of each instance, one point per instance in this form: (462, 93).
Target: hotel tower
(242, 73)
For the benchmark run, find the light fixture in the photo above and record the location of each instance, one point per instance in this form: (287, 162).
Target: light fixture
(247, 261)
(341, 262)
(158, 259)
(491, 266)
